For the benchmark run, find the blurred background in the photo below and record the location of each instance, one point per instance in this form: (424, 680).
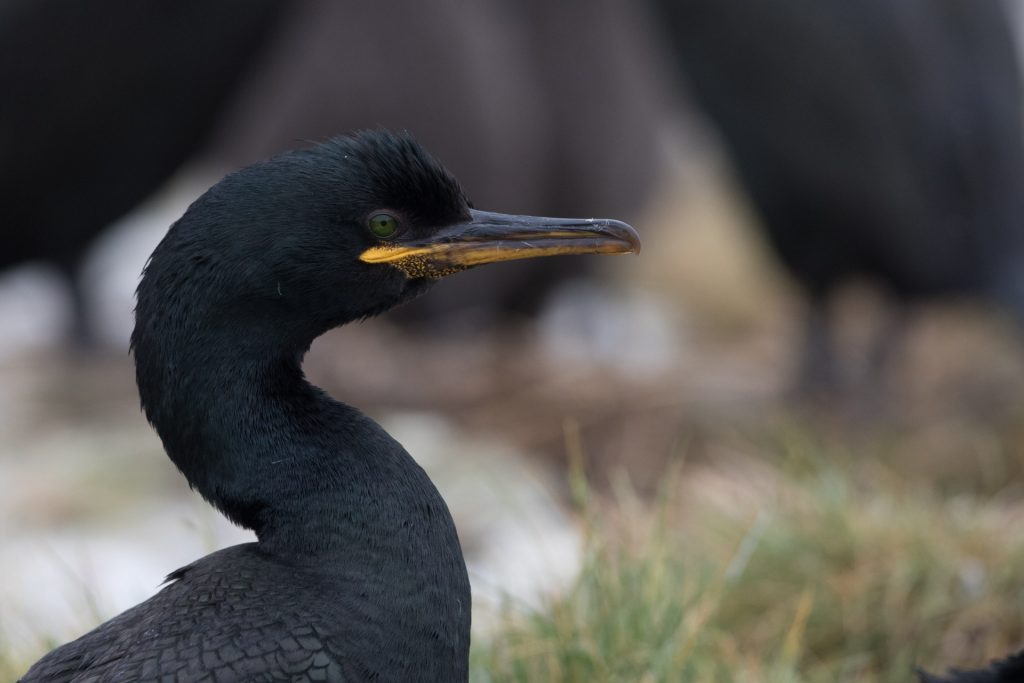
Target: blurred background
(787, 440)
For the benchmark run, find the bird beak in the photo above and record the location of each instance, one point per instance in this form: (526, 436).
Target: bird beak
(491, 237)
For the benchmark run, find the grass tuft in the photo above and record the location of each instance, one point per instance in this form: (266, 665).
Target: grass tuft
(741, 571)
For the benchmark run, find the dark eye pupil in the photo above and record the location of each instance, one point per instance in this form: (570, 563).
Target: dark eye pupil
(383, 225)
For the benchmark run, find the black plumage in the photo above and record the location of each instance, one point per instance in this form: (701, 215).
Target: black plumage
(357, 573)
(1009, 670)
(877, 139)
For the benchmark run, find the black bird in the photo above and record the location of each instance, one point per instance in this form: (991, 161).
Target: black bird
(1009, 670)
(357, 574)
(877, 139)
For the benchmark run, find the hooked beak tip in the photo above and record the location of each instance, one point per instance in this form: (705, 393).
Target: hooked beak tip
(627, 233)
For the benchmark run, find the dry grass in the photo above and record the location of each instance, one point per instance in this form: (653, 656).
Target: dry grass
(787, 569)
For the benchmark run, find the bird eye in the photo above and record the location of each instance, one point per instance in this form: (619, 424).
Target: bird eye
(383, 225)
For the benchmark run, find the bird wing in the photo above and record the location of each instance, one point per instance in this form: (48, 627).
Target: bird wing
(212, 623)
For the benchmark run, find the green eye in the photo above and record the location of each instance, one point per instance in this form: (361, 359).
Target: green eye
(383, 224)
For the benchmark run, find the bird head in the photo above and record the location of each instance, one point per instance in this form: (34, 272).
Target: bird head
(341, 231)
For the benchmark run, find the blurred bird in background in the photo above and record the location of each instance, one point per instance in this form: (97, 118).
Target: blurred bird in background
(102, 102)
(877, 140)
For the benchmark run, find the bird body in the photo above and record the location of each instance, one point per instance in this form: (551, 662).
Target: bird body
(357, 573)
(878, 140)
(243, 614)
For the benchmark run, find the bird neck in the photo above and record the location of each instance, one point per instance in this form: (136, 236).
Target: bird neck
(308, 474)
